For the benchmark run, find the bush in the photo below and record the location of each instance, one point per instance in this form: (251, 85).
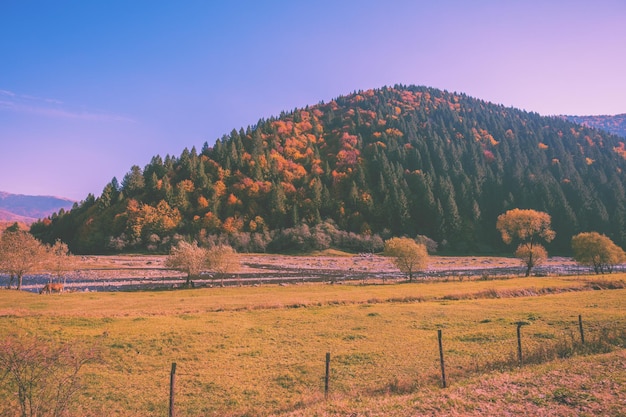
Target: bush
(41, 378)
(301, 238)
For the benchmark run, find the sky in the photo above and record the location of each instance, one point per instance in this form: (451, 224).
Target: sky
(90, 88)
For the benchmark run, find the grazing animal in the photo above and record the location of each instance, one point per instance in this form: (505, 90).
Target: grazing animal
(50, 288)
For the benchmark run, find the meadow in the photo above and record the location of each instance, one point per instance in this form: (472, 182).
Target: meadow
(258, 351)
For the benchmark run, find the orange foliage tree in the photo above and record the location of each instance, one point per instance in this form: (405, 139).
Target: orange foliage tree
(528, 227)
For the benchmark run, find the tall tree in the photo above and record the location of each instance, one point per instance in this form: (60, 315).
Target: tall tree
(133, 183)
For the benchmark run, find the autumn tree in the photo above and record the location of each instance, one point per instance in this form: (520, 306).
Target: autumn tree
(39, 377)
(527, 227)
(20, 253)
(408, 255)
(188, 258)
(597, 250)
(222, 260)
(531, 255)
(59, 261)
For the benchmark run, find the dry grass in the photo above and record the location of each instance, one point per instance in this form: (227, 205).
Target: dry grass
(575, 387)
(124, 304)
(259, 351)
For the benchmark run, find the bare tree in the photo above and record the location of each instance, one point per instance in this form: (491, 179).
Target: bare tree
(59, 260)
(222, 260)
(20, 253)
(189, 258)
(39, 378)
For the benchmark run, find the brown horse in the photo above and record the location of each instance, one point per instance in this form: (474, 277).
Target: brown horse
(50, 288)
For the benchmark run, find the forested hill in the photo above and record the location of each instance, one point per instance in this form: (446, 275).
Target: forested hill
(393, 161)
(612, 124)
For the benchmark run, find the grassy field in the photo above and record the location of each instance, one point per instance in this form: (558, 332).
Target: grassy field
(259, 351)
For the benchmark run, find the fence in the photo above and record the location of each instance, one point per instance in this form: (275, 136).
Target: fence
(565, 348)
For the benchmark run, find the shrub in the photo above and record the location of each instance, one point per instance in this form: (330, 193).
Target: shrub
(42, 378)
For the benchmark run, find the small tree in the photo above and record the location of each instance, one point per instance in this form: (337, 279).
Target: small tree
(531, 256)
(39, 378)
(59, 260)
(222, 260)
(408, 255)
(430, 244)
(20, 253)
(597, 250)
(526, 227)
(189, 258)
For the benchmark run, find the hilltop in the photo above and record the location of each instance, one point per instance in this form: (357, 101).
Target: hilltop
(401, 160)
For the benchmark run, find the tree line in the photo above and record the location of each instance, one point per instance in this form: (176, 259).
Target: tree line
(21, 253)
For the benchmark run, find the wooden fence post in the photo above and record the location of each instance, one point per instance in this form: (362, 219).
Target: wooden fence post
(443, 365)
(327, 377)
(580, 326)
(519, 343)
(172, 388)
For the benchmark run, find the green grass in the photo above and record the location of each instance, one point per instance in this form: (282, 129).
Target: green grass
(250, 351)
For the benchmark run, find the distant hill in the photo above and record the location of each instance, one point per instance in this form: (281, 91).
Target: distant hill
(370, 165)
(612, 124)
(7, 216)
(27, 208)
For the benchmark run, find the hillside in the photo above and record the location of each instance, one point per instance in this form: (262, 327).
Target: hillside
(28, 209)
(392, 161)
(612, 124)
(8, 217)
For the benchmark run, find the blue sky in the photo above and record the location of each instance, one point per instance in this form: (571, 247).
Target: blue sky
(90, 88)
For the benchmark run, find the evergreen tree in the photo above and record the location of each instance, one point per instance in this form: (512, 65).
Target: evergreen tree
(133, 183)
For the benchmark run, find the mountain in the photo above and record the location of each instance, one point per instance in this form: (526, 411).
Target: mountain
(28, 209)
(361, 168)
(612, 124)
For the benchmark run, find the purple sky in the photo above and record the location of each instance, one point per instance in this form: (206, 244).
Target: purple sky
(90, 88)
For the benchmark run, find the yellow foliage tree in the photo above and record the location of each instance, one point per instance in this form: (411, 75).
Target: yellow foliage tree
(531, 256)
(527, 227)
(408, 255)
(597, 250)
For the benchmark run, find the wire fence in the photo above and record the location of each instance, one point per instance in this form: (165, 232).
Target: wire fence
(526, 348)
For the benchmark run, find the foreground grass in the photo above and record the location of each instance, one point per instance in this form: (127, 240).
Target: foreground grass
(260, 351)
(580, 386)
